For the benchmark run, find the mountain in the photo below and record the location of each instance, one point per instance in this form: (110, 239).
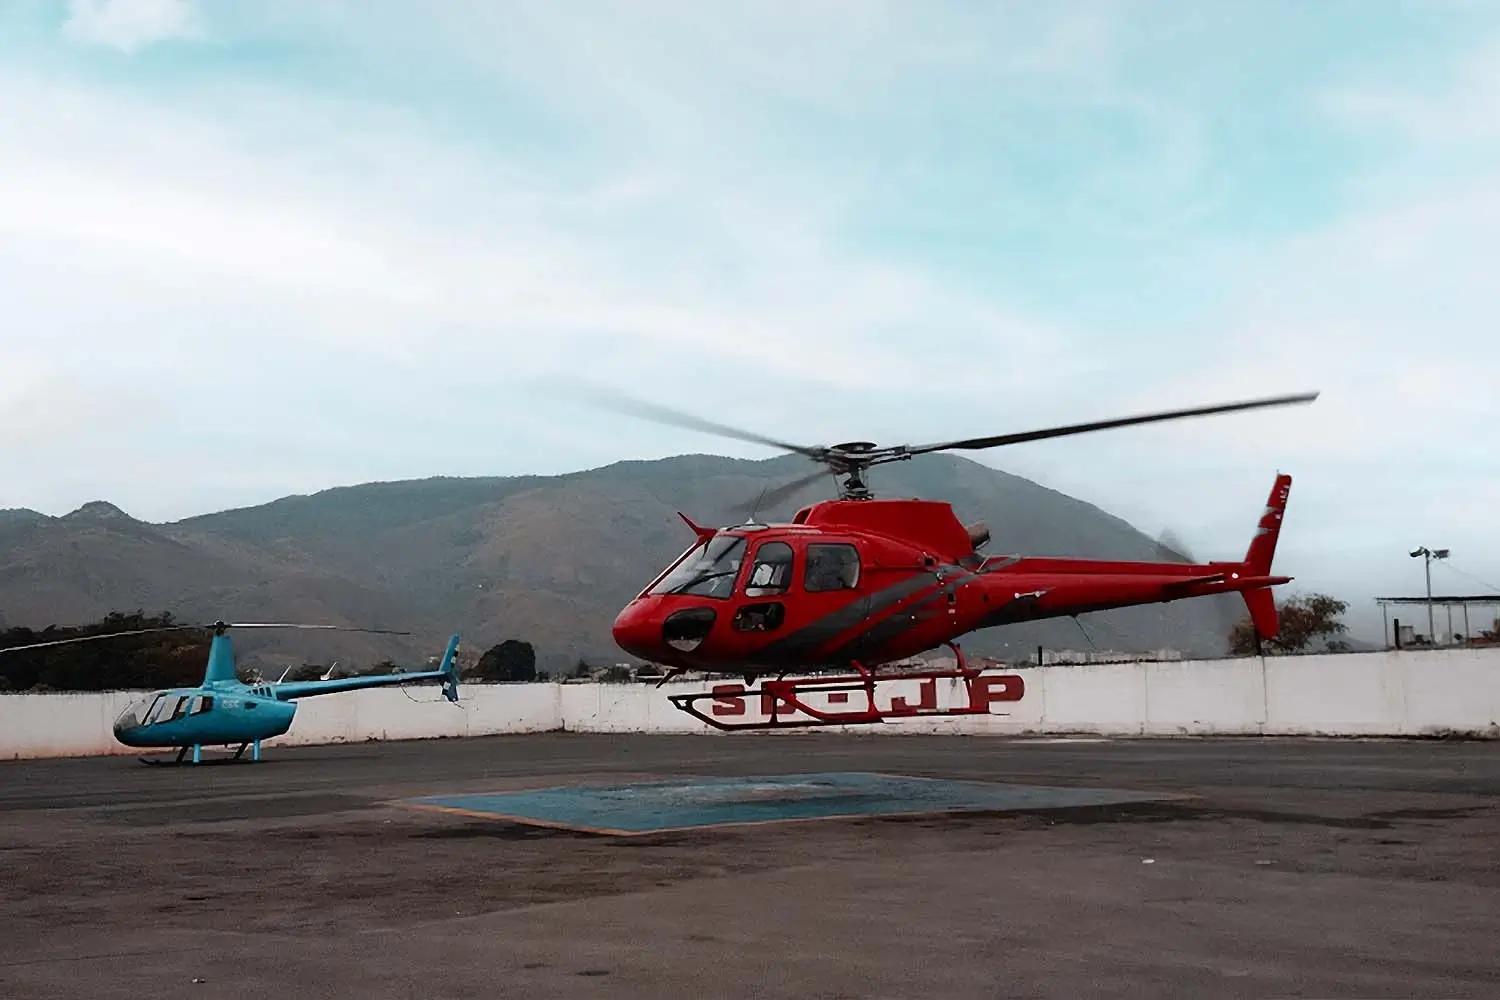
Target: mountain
(548, 559)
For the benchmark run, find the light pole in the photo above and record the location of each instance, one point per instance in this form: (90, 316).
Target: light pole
(1428, 555)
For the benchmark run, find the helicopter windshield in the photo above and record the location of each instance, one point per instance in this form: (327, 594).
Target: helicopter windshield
(164, 706)
(131, 717)
(707, 571)
(138, 711)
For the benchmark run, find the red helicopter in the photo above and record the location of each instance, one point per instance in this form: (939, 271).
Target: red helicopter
(856, 583)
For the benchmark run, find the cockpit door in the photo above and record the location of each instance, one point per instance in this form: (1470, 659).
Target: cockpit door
(769, 579)
(824, 600)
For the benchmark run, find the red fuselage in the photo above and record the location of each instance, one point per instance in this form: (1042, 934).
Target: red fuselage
(880, 580)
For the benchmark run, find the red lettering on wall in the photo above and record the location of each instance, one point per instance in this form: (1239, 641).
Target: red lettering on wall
(987, 689)
(727, 700)
(927, 699)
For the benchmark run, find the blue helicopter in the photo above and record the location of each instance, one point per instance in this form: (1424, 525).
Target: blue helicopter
(224, 711)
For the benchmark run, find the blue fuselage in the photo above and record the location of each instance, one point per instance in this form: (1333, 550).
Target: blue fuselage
(207, 716)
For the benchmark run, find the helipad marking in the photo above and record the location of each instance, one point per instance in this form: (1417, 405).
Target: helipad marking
(696, 803)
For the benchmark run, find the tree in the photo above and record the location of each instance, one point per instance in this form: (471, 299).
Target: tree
(1305, 619)
(512, 660)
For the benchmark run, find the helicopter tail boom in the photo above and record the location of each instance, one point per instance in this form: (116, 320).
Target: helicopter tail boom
(446, 674)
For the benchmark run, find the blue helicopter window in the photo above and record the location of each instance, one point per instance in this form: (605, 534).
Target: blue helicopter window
(205, 704)
(167, 708)
(831, 567)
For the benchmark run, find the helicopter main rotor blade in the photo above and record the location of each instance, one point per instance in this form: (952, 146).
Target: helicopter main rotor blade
(183, 628)
(657, 413)
(1104, 425)
(771, 498)
(318, 628)
(95, 638)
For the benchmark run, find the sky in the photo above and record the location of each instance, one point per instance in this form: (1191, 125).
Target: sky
(253, 249)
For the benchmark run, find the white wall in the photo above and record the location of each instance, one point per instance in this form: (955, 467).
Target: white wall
(61, 725)
(76, 725)
(1367, 694)
(421, 713)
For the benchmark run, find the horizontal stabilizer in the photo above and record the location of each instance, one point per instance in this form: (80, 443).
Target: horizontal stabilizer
(1189, 582)
(1235, 581)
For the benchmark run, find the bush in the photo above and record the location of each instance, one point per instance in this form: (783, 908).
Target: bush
(1304, 619)
(511, 660)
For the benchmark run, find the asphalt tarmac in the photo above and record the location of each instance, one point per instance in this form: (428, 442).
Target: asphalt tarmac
(1336, 868)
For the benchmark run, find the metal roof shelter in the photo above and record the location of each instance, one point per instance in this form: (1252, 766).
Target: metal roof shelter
(1449, 601)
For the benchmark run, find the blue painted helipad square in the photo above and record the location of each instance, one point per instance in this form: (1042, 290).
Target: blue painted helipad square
(698, 802)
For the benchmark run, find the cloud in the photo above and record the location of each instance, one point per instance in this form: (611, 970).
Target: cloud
(165, 245)
(129, 25)
(1466, 108)
(839, 222)
(1391, 314)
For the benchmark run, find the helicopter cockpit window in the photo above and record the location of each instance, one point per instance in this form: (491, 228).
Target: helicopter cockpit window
(831, 567)
(161, 709)
(707, 571)
(772, 571)
(136, 714)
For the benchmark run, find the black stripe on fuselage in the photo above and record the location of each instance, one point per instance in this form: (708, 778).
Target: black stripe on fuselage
(809, 637)
(1018, 609)
(872, 639)
(799, 644)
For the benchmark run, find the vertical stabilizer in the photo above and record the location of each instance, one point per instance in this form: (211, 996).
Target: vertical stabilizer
(1262, 612)
(220, 661)
(1258, 558)
(1263, 544)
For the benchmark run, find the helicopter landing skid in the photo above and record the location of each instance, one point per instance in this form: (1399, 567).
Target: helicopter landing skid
(197, 756)
(158, 762)
(855, 700)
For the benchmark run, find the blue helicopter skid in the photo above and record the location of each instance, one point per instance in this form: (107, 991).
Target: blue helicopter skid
(161, 762)
(181, 760)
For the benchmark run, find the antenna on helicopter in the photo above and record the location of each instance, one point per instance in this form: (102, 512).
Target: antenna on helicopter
(750, 518)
